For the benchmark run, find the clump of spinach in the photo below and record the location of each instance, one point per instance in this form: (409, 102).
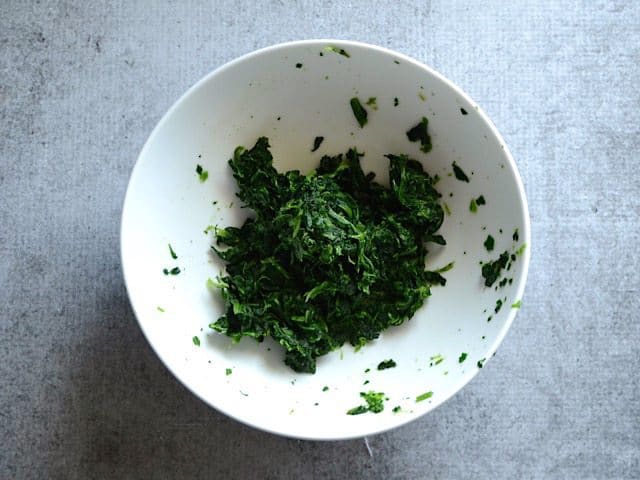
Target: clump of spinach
(327, 258)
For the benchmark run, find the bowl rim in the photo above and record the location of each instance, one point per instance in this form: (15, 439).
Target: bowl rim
(526, 233)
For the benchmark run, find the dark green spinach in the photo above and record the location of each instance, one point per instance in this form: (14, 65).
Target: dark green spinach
(326, 258)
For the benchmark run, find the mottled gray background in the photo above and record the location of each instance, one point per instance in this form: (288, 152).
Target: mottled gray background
(83, 83)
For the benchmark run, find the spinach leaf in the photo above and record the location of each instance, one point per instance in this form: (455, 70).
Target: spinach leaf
(419, 133)
(358, 111)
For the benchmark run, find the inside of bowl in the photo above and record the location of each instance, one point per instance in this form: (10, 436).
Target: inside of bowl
(292, 94)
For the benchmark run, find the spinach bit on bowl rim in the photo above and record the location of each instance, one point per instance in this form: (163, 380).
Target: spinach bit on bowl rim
(387, 364)
(459, 173)
(491, 270)
(375, 403)
(372, 102)
(338, 50)
(316, 143)
(420, 133)
(424, 396)
(202, 174)
(489, 243)
(358, 111)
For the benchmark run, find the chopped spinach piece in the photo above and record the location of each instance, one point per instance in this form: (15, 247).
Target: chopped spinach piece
(372, 102)
(396, 102)
(420, 133)
(196, 341)
(489, 243)
(298, 65)
(517, 304)
(160, 309)
(172, 252)
(360, 409)
(358, 111)
(480, 363)
(228, 371)
(463, 111)
(516, 235)
(375, 403)
(386, 364)
(202, 174)
(325, 388)
(491, 270)
(424, 396)
(338, 50)
(437, 359)
(396, 409)
(473, 206)
(316, 143)
(480, 200)
(498, 305)
(463, 357)
(327, 258)
(446, 268)
(459, 173)
(173, 271)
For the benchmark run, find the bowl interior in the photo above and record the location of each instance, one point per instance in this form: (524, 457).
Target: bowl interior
(292, 93)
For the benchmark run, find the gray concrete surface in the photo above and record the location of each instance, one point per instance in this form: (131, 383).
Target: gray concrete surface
(83, 83)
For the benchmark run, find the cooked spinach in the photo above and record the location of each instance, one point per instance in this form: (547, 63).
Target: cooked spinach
(375, 403)
(489, 243)
(424, 396)
(338, 50)
(316, 143)
(358, 111)
(491, 270)
(202, 173)
(459, 173)
(387, 364)
(326, 258)
(420, 133)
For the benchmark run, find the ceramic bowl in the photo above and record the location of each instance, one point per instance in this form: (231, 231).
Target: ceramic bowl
(292, 93)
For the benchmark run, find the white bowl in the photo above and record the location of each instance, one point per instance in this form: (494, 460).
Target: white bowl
(265, 93)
